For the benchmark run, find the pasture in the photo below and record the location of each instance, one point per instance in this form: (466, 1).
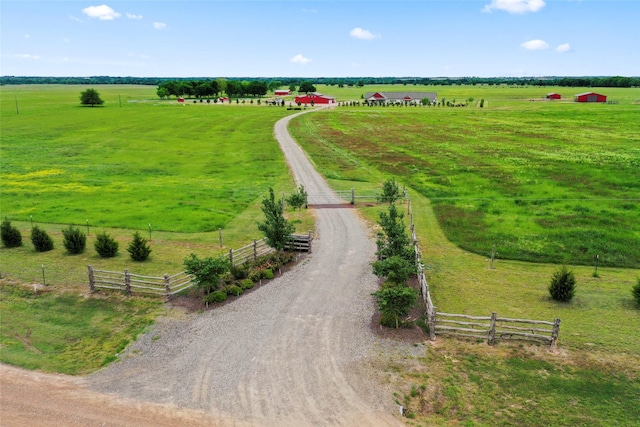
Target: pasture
(542, 181)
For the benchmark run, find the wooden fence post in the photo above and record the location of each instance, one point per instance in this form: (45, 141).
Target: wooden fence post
(255, 250)
(167, 287)
(220, 235)
(408, 206)
(432, 323)
(231, 256)
(92, 280)
(492, 330)
(493, 256)
(127, 282)
(353, 196)
(554, 334)
(310, 240)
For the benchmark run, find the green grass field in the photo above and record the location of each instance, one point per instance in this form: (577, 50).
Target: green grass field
(542, 181)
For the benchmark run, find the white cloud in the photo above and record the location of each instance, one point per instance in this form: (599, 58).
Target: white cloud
(566, 47)
(26, 56)
(299, 59)
(103, 12)
(515, 6)
(159, 25)
(132, 16)
(73, 18)
(535, 45)
(27, 36)
(359, 33)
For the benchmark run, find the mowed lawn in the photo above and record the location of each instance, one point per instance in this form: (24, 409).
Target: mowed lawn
(542, 181)
(134, 161)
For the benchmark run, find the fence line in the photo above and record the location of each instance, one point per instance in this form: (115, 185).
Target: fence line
(169, 286)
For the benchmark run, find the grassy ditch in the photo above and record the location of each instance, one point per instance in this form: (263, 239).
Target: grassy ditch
(62, 331)
(542, 181)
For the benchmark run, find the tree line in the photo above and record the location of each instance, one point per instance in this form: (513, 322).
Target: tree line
(601, 81)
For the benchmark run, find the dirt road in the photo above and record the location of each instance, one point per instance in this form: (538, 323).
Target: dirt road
(297, 352)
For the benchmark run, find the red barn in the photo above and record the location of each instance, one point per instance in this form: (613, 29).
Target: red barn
(282, 92)
(315, 98)
(181, 99)
(554, 95)
(590, 97)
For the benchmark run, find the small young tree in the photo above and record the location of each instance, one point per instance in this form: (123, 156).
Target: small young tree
(390, 192)
(138, 248)
(396, 301)
(74, 240)
(636, 292)
(90, 97)
(563, 285)
(41, 240)
(397, 270)
(11, 236)
(277, 230)
(105, 245)
(207, 271)
(298, 199)
(393, 240)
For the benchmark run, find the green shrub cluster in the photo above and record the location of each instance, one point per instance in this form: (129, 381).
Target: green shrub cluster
(636, 292)
(267, 273)
(246, 284)
(233, 290)
(216, 296)
(74, 240)
(138, 248)
(105, 245)
(41, 240)
(11, 236)
(563, 285)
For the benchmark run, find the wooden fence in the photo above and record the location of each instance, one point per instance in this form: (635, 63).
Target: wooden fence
(129, 282)
(171, 285)
(494, 328)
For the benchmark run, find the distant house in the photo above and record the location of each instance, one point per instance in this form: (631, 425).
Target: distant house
(554, 95)
(181, 99)
(282, 92)
(315, 98)
(590, 97)
(399, 97)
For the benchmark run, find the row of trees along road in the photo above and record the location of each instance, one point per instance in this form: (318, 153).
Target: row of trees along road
(232, 88)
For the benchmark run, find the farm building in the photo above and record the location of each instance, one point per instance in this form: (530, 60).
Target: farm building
(554, 95)
(395, 97)
(282, 92)
(315, 98)
(590, 97)
(181, 99)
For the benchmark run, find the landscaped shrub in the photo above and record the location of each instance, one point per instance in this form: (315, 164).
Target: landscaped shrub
(636, 292)
(255, 274)
(240, 272)
(233, 290)
(563, 285)
(11, 236)
(74, 240)
(216, 296)
(105, 245)
(226, 279)
(41, 240)
(395, 302)
(138, 248)
(267, 273)
(246, 284)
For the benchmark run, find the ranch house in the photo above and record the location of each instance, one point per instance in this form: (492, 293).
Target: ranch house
(315, 98)
(399, 97)
(590, 97)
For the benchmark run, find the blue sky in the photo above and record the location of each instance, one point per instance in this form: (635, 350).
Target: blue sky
(485, 38)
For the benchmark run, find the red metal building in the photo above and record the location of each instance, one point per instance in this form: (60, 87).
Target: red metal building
(554, 95)
(282, 92)
(590, 97)
(315, 98)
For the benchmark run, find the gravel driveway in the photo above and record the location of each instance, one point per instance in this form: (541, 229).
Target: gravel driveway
(298, 352)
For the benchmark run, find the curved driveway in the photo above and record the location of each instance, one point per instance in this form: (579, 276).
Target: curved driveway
(294, 353)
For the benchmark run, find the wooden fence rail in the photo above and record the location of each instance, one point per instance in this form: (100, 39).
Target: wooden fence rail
(171, 285)
(494, 328)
